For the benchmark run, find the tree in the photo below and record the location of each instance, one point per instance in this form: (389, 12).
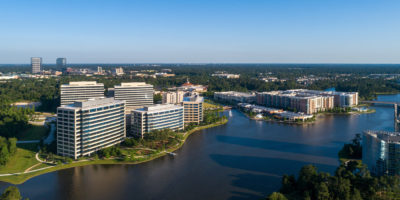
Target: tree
(157, 98)
(276, 196)
(11, 193)
(356, 195)
(306, 176)
(12, 145)
(322, 191)
(288, 184)
(4, 154)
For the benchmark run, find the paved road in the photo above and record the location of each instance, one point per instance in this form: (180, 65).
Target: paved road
(51, 137)
(28, 141)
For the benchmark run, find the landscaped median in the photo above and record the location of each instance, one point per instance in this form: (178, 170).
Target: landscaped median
(31, 167)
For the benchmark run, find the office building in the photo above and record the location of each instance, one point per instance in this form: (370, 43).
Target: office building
(61, 63)
(36, 64)
(396, 117)
(157, 117)
(174, 97)
(100, 70)
(225, 75)
(193, 109)
(136, 94)
(381, 152)
(119, 71)
(81, 91)
(235, 97)
(85, 127)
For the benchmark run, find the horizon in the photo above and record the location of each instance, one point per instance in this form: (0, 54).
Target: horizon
(176, 31)
(205, 63)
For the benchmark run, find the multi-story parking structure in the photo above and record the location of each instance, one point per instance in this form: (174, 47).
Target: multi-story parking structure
(81, 91)
(88, 126)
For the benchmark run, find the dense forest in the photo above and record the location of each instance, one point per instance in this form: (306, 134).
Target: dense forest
(8, 147)
(13, 119)
(47, 90)
(11, 193)
(350, 182)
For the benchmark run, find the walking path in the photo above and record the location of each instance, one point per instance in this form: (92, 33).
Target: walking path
(28, 141)
(51, 137)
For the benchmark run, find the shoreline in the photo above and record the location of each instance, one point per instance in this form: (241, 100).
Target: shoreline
(307, 122)
(21, 177)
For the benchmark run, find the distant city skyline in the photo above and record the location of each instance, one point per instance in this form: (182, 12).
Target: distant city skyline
(285, 31)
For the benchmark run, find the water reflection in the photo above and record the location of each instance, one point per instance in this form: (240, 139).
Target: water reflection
(243, 159)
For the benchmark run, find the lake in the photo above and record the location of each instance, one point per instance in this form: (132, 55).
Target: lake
(244, 159)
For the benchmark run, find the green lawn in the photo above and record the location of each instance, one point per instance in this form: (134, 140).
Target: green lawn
(33, 133)
(26, 159)
(41, 165)
(22, 160)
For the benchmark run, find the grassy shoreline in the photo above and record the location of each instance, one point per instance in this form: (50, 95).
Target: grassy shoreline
(21, 178)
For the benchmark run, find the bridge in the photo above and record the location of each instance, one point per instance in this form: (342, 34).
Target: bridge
(380, 102)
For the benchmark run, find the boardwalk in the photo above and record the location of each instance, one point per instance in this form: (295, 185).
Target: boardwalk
(380, 102)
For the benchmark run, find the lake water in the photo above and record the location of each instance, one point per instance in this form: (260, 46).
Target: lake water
(243, 159)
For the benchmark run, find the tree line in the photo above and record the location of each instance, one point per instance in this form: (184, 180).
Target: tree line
(350, 182)
(13, 119)
(8, 148)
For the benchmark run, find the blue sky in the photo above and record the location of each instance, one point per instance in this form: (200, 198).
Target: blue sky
(244, 31)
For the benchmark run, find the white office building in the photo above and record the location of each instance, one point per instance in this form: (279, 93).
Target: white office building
(36, 64)
(81, 91)
(88, 126)
(157, 117)
(136, 94)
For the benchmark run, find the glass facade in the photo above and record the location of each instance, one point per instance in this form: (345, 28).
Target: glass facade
(84, 130)
(381, 152)
(166, 117)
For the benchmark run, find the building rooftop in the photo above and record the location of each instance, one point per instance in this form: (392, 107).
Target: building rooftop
(389, 137)
(193, 99)
(92, 103)
(158, 108)
(234, 93)
(83, 83)
(132, 84)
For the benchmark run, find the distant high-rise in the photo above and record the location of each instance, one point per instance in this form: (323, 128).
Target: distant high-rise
(99, 70)
(119, 71)
(36, 64)
(136, 94)
(61, 63)
(86, 127)
(81, 90)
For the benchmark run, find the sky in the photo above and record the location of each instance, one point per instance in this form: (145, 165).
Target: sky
(208, 31)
